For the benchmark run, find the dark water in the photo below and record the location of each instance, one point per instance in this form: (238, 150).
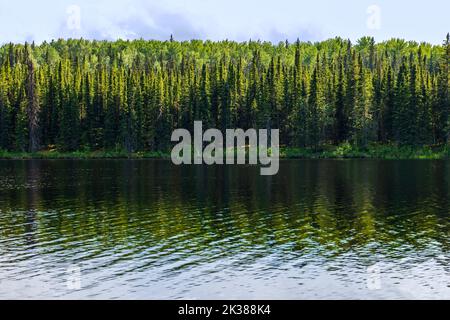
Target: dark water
(149, 230)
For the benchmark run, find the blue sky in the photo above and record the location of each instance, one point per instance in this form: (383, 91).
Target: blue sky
(273, 20)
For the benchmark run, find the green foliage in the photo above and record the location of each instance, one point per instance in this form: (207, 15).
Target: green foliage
(373, 151)
(129, 96)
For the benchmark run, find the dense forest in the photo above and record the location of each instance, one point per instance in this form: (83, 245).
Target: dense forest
(130, 95)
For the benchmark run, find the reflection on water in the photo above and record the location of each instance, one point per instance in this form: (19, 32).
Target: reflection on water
(149, 230)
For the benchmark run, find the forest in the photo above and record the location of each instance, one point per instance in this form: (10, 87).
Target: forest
(82, 95)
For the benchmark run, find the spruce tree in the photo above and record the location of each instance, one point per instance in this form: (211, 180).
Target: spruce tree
(33, 103)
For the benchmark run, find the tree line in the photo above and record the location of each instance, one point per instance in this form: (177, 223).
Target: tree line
(130, 95)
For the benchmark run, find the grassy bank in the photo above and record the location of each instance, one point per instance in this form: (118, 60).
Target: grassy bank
(344, 151)
(54, 154)
(374, 151)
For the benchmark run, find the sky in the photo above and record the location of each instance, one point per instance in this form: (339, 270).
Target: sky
(240, 20)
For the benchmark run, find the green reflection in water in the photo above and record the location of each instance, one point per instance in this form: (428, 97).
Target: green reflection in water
(144, 215)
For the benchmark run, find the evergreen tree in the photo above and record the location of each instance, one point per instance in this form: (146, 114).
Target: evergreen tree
(76, 94)
(33, 103)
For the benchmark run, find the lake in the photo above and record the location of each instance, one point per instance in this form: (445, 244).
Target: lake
(146, 229)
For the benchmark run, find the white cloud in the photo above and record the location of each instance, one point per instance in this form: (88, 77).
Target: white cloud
(22, 20)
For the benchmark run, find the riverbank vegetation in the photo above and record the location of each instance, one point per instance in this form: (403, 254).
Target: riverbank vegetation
(343, 151)
(329, 99)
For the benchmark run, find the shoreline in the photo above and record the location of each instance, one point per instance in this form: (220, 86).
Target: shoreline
(345, 151)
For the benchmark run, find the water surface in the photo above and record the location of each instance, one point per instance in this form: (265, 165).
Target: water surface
(145, 229)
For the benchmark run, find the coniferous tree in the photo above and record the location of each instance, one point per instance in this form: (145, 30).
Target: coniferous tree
(76, 95)
(312, 121)
(442, 104)
(33, 103)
